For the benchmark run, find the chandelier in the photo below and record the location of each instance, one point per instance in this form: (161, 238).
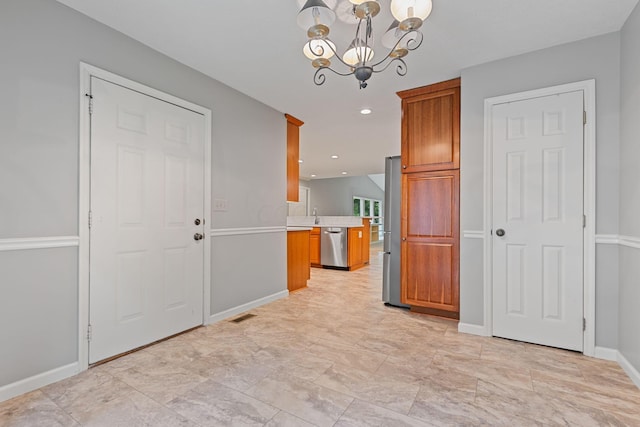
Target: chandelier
(403, 36)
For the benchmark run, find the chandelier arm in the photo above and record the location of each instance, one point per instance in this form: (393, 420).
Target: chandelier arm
(410, 46)
(319, 76)
(412, 43)
(401, 68)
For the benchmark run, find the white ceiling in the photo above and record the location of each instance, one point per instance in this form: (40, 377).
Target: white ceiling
(255, 46)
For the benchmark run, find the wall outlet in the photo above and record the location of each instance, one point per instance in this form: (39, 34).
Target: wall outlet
(220, 205)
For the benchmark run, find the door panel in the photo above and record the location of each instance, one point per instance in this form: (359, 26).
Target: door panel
(538, 202)
(429, 249)
(147, 188)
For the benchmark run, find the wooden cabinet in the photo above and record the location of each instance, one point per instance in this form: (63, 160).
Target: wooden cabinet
(430, 250)
(430, 246)
(366, 240)
(298, 271)
(314, 247)
(354, 248)
(293, 155)
(431, 127)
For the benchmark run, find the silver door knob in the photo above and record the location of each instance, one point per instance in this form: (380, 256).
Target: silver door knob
(198, 236)
(499, 232)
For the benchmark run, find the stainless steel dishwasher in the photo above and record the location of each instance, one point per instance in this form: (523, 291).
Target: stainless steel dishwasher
(333, 247)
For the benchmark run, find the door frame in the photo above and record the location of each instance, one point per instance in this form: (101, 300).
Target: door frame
(589, 210)
(84, 194)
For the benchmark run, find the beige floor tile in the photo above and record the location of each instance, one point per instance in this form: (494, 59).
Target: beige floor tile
(485, 369)
(213, 404)
(382, 390)
(33, 409)
(161, 381)
(311, 402)
(285, 419)
(363, 414)
(597, 395)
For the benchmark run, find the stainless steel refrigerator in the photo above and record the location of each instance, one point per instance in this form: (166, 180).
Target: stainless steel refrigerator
(391, 263)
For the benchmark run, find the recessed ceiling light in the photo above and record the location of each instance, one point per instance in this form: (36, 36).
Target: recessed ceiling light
(313, 175)
(300, 161)
(335, 156)
(344, 172)
(365, 111)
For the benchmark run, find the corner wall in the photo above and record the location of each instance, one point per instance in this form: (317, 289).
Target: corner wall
(42, 43)
(629, 315)
(598, 58)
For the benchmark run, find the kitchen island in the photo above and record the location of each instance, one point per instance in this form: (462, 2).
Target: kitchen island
(346, 240)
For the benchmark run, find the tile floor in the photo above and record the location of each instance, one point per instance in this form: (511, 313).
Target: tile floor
(334, 355)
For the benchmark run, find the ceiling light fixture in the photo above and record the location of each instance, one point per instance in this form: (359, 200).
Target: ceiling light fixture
(313, 175)
(335, 156)
(365, 111)
(344, 173)
(403, 36)
(300, 161)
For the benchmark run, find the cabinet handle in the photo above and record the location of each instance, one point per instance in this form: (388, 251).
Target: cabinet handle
(404, 166)
(404, 239)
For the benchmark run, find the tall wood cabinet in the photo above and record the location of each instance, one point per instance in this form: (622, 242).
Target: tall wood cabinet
(293, 155)
(430, 212)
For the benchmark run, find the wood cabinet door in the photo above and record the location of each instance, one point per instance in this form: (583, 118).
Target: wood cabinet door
(354, 241)
(431, 127)
(314, 247)
(430, 246)
(297, 259)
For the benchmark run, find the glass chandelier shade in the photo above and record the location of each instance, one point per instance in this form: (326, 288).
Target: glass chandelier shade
(357, 53)
(411, 13)
(315, 12)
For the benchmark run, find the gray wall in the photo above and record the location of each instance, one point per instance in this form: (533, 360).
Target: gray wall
(598, 58)
(334, 196)
(629, 338)
(42, 43)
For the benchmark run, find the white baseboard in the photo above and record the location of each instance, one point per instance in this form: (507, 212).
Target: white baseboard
(629, 369)
(35, 382)
(467, 328)
(606, 353)
(248, 306)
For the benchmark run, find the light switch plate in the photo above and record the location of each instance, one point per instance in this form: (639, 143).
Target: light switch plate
(220, 205)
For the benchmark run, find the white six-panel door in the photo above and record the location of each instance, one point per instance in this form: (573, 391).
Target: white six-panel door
(146, 268)
(538, 209)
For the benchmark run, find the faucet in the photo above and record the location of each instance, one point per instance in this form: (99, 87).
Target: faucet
(315, 214)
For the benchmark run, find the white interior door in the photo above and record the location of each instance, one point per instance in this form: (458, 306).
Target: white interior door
(147, 190)
(538, 220)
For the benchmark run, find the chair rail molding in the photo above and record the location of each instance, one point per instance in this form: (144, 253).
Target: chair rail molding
(216, 232)
(617, 239)
(24, 243)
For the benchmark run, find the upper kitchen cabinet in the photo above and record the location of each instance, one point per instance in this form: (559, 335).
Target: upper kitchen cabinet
(293, 155)
(431, 127)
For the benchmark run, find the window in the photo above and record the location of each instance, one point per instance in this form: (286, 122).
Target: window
(370, 208)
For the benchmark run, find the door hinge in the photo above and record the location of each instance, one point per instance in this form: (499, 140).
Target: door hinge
(88, 95)
(89, 332)
(584, 117)
(584, 324)
(90, 218)
(584, 221)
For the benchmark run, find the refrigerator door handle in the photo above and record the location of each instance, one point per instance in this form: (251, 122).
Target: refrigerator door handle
(387, 242)
(386, 279)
